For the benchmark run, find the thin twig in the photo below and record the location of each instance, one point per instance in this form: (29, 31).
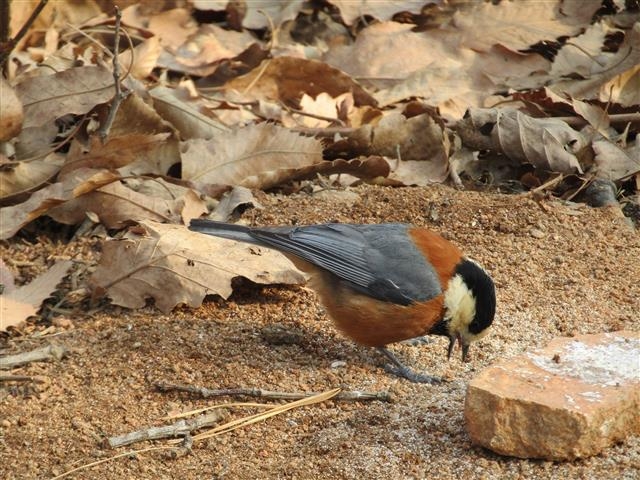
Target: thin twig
(613, 119)
(120, 96)
(50, 352)
(178, 429)
(327, 132)
(313, 115)
(11, 44)
(352, 396)
(4, 377)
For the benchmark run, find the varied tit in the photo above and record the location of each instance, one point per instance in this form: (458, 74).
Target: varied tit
(383, 283)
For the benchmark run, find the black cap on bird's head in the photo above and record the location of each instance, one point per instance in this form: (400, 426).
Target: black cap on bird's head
(470, 305)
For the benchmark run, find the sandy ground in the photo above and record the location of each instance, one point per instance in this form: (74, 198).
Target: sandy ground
(559, 270)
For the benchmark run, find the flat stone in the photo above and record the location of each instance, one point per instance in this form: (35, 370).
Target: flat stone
(571, 399)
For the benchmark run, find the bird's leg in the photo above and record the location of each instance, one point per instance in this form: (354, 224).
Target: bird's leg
(403, 371)
(418, 341)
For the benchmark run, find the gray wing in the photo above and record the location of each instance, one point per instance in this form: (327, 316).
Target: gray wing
(378, 260)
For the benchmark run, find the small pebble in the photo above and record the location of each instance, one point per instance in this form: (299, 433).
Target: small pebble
(536, 233)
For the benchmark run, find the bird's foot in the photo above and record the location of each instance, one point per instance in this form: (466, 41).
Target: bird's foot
(401, 370)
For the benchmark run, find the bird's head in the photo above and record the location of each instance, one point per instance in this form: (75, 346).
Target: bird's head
(469, 306)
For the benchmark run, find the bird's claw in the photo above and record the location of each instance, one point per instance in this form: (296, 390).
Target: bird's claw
(412, 376)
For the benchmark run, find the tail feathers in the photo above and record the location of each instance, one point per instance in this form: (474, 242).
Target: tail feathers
(221, 229)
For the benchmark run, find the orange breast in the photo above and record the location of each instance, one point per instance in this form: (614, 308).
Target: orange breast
(374, 323)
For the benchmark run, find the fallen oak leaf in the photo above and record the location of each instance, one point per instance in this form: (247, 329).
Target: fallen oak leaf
(547, 143)
(173, 266)
(257, 156)
(287, 79)
(18, 178)
(130, 200)
(24, 302)
(140, 141)
(75, 91)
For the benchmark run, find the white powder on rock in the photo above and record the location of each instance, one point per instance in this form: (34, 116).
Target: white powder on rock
(610, 364)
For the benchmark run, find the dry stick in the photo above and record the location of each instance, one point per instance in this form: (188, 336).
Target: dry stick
(5, 21)
(11, 44)
(613, 119)
(180, 428)
(187, 441)
(50, 352)
(120, 96)
(18, 378)
(327, 132)
(352, 396)
(312, 115)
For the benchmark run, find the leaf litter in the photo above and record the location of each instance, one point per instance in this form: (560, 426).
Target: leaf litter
(298, 99)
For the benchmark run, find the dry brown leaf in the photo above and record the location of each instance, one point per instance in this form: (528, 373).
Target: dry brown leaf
(517, 25)
(139, 142)
(122, 202)
(416, 172)
(173, 266)
(17, 178)
(203, 50)
(613, 162)
(547, 143)
(76, 91)
(55, 14)
(173, 27)
(387, 52)
(17, 216)
(595, 115)
(175, 107)
(287, 79)
(365, 168)
(259, 13)
(583, 54)
(415, 138)
(624, 89)
(78, 183)
(257, 156)
(352, 10)
(451, 86)
(323, 106)
(230, 201)
(24, 302)
(616, 80)
(509, 70)
(143, 59)
(11, 114)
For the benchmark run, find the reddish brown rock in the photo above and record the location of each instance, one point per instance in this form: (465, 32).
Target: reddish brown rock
(572, 399)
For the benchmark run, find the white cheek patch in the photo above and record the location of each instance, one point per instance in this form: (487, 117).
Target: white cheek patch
(460, 305)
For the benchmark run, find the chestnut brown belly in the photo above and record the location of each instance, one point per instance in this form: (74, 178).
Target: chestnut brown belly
(372, 322)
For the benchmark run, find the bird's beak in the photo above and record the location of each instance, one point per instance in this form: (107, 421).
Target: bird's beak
(452, 343)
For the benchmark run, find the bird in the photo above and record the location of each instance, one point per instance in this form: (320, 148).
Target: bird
(383, 283)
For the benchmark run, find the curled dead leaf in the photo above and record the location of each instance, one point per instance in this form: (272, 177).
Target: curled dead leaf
(288, 78)
(17, 178)
(173, 266)
(547, 143)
